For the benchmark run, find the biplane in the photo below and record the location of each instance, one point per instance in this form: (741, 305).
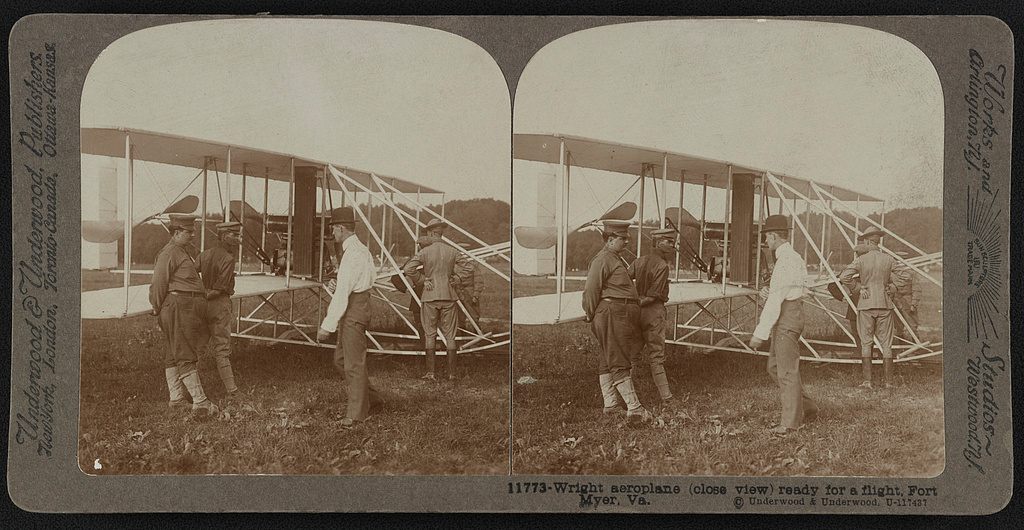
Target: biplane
(285, 299)
(716, 300)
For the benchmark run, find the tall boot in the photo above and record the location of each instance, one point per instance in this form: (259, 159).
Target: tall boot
(227, 375)
(175, 388)
(887, 368)
(865, 367)
(661, 381)
(612, 402)
(195, 387)
(430, 364)
(635, 412)
(452, 354)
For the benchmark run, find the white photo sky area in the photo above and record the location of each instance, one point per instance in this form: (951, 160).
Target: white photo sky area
(833, 103)
(415, 103)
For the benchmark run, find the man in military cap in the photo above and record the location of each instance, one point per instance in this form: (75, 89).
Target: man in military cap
(650, 272)
(217, 266)
(442, 270)
(178, 299)
(612, 306)
(471, 291)
(782, 319)
(874, 308)
(417, 288)
(349, 314)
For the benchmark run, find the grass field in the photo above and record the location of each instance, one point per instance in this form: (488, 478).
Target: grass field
(728, 403)
(287, 420)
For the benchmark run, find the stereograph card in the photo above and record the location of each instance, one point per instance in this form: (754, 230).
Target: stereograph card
(619, 265)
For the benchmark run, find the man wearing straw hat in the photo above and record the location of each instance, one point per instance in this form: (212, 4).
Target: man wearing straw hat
(612, 306)
(349, 314)
(782, 319)
(874, 308)
(178, 298)
(217, 266)
(442, 270)
(651, 274)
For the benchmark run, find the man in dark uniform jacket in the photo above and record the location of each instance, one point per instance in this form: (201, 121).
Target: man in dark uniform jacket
(612, 306)
(179, 300)
(651, 274)
(217, 266)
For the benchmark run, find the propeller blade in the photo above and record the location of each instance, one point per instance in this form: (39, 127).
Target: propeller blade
(687, 220)
(102, 231)
(237, 207)
(536, 237)
(186, 204)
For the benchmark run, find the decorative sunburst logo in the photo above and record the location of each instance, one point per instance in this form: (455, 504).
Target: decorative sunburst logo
(984, 265)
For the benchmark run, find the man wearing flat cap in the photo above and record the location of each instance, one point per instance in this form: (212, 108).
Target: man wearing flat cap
(178, 298)
(650, 272)
(874, 307)
(442, 270)
(612, 306)
(217, 266)
(349, 314)
(782, 319)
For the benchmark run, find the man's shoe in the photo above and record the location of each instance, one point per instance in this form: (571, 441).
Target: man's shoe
(429, 376)
(780, 431)
(347, 423)
(178, 404)
(634, 417)
(617, 409)
(206, 408)
(866, 385)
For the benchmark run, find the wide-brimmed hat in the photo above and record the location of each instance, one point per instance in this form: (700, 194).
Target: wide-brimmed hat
(871, 233)
(775, 223)
(181, 221)
(436, 224)
(343, 215)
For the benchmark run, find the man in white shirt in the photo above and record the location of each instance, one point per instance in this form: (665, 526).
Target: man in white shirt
(782, 319)
(349, 314)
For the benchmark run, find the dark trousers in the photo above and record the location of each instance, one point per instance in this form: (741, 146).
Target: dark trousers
(350, 356)
(652, 324)
(784, 365)
(182, 321)
(617, 328)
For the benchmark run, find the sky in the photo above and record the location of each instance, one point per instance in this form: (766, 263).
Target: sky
(837, 104)
(410, 102)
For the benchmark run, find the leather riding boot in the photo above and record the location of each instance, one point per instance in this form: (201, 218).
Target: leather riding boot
(865, 363)
(452, 354)
(430, 364)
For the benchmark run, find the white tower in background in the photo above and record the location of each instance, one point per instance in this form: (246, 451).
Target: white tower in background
(99, 203)
(534, 205)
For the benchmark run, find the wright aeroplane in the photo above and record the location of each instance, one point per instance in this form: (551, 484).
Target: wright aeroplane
(715, 291)
(285, 299)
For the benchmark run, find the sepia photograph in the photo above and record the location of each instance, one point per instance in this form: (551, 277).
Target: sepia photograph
(295, 252)
(728, 253)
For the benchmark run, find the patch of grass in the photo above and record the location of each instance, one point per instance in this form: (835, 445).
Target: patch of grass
(719, 428)
(287, 420)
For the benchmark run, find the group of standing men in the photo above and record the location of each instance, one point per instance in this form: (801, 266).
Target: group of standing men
(625, 305)
(625, 316)
(191, 297)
